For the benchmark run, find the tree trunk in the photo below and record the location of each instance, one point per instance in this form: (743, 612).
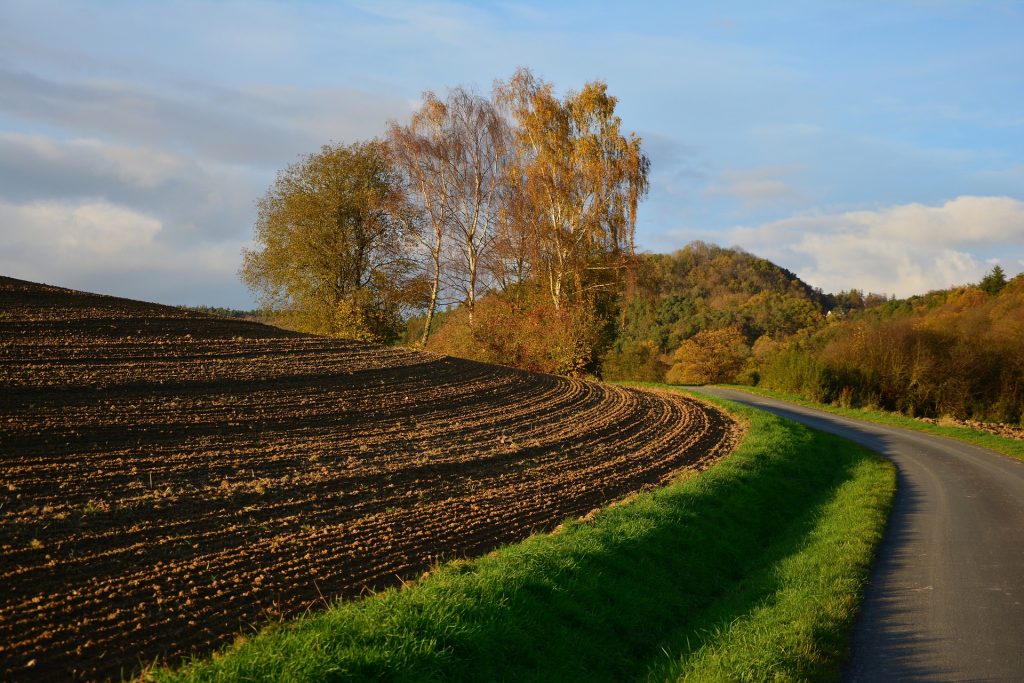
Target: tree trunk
(433, 300)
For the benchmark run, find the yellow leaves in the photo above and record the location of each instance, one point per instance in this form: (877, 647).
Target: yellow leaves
(326, 242)
(708, 357)
(580, 172)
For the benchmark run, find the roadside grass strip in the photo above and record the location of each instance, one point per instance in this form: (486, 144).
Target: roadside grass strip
(1000, 444)
(751, 570)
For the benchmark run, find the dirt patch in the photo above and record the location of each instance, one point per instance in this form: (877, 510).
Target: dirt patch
(171, 480)
(1004, 430)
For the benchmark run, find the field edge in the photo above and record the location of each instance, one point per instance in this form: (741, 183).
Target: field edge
(602, 599)
(172, 480)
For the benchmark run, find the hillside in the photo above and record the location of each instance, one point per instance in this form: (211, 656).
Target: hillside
(699, 288)
(172, 479)
(956, 353)
(707, 314)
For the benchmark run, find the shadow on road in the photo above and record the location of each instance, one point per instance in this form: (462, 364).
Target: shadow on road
(888, 641)
(885, 627)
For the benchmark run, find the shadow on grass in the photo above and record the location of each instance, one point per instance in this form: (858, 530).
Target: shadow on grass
(610, 613)
(646, 580)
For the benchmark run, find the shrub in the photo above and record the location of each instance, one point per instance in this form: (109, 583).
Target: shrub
(532, 335)
(633, 360)
(709, 357)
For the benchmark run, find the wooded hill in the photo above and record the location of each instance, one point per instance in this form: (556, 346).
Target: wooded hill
(700, 288)
(708, 314)
(667, 300)
(956, 352)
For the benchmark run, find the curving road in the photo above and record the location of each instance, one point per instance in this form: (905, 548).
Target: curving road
(945, 601)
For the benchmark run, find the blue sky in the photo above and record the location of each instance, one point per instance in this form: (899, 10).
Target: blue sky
(859, 144)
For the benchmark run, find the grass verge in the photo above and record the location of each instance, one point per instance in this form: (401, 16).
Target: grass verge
(1011, 447)
(750, 571)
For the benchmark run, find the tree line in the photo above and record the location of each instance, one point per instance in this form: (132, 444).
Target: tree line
(516, 210)
(706, 314)
(501, 228)
(957, 352)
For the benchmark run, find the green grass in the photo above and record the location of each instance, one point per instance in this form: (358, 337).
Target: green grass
(750, 571)
(1011, 447)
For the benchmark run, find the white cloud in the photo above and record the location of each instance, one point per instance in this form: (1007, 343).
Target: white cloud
(902, 250)
(254, 126)
(961, 221)
(139, 167)
(192, 199)
(93, 229)
(95, 244)
(754, 187)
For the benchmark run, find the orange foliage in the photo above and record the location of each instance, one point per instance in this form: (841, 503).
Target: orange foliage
(530, 335)
(958, 353)
(708, 357)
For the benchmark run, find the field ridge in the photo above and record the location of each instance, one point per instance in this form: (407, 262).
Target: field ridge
(751, 571)
(172, 480)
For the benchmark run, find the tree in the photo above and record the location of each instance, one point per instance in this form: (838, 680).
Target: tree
(994, 282)
(452, 155)
(330, 257)
(508, 261)
(416, 150)
(708, 357)
(580, 181)
(478, 153)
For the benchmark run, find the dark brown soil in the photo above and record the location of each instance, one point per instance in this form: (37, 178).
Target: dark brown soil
(171, 480)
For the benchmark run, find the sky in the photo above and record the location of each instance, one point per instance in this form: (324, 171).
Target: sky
(868, 145)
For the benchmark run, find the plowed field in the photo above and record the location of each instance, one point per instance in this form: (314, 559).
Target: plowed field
(171, 480)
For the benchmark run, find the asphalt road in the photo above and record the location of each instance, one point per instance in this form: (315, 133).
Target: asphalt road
(945, 600)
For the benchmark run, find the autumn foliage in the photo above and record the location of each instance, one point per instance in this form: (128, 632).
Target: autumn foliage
(707, 314)
(501, 228)
(958, 352)
(709, 357)
(562, 245)
(512, 215)
(682, 305)
(331, 258)
(528, 334)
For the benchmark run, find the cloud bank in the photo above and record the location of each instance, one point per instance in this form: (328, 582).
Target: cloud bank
(901, 250)
(100, 246)
(122, 188)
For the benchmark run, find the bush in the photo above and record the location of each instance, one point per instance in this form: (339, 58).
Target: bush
(532, 335)
(709, 357)
(633, 360)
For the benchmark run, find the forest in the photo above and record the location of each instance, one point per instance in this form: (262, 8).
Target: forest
(501, 229)
(956, 352)
(498, 228)
(712, 315)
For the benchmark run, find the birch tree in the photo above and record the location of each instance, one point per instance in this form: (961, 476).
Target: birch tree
(580, 179)
(418, 154)
(452, 155)
(479, 142)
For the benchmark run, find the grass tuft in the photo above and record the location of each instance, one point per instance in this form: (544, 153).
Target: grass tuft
(750, 571)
